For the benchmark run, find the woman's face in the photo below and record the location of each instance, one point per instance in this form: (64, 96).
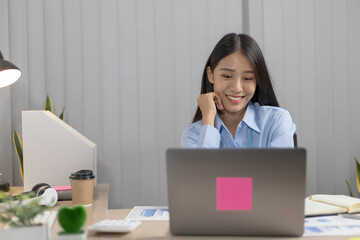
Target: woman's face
(234, 81)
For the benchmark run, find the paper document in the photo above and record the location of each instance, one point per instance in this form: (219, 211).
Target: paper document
(331, 226)
(149, 214)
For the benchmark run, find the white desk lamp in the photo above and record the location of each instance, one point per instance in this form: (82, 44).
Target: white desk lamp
(9, 73)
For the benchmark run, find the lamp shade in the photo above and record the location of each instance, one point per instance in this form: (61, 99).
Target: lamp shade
(9, 73)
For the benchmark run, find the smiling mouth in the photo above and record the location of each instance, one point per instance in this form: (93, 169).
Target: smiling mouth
(235, 99)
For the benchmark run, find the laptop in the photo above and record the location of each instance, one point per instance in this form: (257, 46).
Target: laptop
(239, 192)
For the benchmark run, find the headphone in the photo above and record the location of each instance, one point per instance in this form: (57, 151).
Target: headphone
(48, 196)
(43, 191)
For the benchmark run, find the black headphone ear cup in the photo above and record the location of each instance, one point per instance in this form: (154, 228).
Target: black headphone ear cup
(38, 186)
(41, 190)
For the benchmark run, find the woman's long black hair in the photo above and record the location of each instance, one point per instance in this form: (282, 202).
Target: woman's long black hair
(247, 46)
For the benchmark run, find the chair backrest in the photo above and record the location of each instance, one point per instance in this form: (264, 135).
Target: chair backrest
(295, 140)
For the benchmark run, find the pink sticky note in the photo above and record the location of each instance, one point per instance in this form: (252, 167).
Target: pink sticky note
(233, 193)
(62, 188)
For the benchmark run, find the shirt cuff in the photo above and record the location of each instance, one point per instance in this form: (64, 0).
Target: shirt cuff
(209, 137)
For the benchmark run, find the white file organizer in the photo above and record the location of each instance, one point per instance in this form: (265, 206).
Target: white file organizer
(52, 150)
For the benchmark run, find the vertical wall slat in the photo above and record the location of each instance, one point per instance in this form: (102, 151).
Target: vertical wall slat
(165, 100)
(233, 16)
(129, 103)
(73, 64)
(340, 80)
(307, 130)
(256, 22)
(273, 45)
(110, 95)
(198, 39)
(36, 54)
(54, 53)
(291, 54)
(184, 103)
(216, 25)
(19, 55)
(92, 84)
(324, 101)
(148, 110)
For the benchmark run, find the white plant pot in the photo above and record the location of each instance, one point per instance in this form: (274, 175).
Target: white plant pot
(28, 233)
(71, 236)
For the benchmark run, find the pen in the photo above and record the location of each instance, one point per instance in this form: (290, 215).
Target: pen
(352, 216)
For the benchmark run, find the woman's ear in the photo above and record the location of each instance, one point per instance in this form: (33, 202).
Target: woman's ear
(209, 75)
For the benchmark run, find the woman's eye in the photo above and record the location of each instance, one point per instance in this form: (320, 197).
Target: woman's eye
(248, 79)
(226, 76)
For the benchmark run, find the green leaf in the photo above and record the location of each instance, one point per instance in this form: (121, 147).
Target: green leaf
(357, 174)
(19, 150)
(62, 115)
(351, 193)
(47, 104)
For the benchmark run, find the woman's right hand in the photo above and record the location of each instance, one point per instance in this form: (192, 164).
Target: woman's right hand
(208, 103)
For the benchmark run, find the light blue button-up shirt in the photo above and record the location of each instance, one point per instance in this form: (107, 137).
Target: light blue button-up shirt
(261, 127)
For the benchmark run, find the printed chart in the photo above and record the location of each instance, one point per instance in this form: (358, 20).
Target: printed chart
(149, 214)
(331, 226)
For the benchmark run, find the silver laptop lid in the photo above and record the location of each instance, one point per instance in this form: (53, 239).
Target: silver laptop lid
(236, 191)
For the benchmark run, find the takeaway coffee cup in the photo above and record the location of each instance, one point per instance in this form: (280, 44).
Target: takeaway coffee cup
(82, 187)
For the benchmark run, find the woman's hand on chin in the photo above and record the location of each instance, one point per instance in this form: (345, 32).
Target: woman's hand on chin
(208, 104)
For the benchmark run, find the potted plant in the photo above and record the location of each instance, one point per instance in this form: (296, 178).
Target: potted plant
(17, 215)
(357, 178)
(71, 220)
(17, 140)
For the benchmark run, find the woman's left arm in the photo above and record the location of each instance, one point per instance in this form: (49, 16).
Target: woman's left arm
(282, 135)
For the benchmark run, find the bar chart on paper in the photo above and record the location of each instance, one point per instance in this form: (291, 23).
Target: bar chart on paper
(148, 213)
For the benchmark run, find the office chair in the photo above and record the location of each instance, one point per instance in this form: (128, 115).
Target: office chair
(295, 140)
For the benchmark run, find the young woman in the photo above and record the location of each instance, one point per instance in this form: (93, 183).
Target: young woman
(237, 106)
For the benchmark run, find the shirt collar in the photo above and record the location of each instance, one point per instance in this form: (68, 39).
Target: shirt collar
(249, 119)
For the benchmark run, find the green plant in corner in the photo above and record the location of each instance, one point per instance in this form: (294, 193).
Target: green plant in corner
(21, 211)
(17, 140)
(357, 178)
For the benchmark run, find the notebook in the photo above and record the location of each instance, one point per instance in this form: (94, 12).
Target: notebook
(240, 192)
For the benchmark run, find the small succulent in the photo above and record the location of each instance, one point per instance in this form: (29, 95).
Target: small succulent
(72, 219)
(20, 210)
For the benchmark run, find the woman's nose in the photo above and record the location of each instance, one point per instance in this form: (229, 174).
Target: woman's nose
(237, 85)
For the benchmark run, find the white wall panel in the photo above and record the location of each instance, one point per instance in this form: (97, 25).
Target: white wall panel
(128, 73)
(312, 51)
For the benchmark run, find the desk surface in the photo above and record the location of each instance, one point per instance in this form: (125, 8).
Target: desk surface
(148, 229)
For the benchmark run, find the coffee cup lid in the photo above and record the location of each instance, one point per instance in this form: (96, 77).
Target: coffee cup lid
(82, 175)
